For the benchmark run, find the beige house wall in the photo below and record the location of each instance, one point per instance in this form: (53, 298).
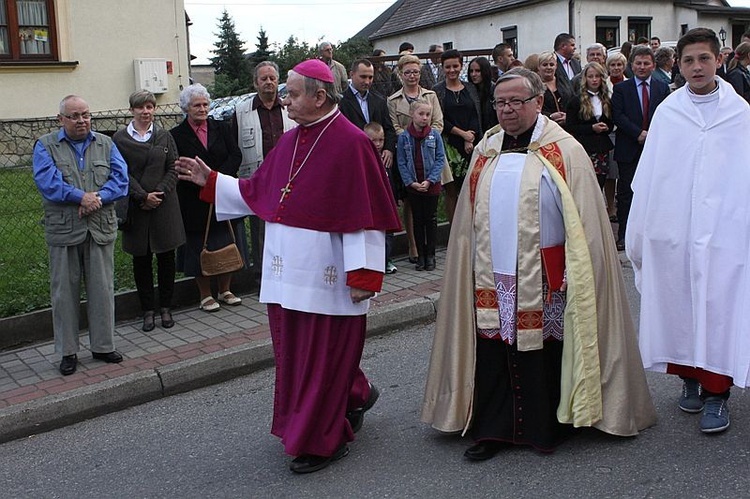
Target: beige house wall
(103, 37)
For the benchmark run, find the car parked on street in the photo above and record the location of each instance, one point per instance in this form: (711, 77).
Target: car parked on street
(223, 108)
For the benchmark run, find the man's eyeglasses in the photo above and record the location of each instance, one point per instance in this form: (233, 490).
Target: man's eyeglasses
(77, 116)
(411, 72)
(514, 104)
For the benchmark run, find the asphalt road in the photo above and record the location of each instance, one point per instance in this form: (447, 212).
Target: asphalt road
(215, 442)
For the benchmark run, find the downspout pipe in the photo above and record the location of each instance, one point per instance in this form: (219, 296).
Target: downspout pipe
(571, 17)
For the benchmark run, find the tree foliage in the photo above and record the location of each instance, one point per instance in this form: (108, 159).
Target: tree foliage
(230, 65)
(263, 52)
(351, 50)
(234, 68)
(292, 53)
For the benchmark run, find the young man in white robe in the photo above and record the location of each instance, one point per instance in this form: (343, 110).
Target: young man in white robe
(688, 236)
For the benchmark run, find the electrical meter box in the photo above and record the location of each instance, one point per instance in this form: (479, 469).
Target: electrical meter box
(151, 75)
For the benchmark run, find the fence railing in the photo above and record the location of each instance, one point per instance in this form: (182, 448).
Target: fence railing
(24, 270)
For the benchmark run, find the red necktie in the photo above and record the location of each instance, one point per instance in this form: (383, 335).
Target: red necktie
(644, 98)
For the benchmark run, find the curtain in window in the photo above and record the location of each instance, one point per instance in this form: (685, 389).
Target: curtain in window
(33, 26)
(4, 47)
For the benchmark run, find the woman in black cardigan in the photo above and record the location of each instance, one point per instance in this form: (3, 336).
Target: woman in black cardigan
(154, 223)
(213, 142)
(462, 118)
(589, 118)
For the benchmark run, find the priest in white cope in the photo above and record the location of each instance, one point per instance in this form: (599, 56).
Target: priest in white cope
(324, 195)
(688, 235)
(533, 334)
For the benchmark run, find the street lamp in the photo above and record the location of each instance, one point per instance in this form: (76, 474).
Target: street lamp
(723, 36)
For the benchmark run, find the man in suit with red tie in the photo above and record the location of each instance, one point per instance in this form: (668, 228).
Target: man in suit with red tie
(633, 104)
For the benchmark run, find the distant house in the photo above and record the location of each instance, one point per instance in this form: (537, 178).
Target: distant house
(531, 25)
(203, 74)
(101, 50)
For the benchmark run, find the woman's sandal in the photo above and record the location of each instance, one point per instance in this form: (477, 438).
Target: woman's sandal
(148, 321)
(208, 304)
(229, 298)
(166, 318)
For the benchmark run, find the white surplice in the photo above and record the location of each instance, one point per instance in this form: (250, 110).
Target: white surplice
(688, 234)
(303, 269)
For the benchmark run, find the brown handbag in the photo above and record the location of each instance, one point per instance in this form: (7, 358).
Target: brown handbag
(223, 260)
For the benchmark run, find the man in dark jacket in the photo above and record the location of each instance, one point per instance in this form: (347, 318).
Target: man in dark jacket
(361, 106)
(633, 104)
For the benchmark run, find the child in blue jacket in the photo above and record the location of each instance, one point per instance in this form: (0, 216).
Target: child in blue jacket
(421, 157)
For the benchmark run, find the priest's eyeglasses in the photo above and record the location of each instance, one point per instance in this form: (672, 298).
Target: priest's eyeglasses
(77, 116)
(514, 104)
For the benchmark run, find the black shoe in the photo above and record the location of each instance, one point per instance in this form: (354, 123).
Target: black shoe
(166, 318)
(420, 263)
(309, 463)
(620, 245)
(68, 364)
(148, 321)
(413, 259)
(430, 264)
(357, 416)
(484, 450)
(110, 357)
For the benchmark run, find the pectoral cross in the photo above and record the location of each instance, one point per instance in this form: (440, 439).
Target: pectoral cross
(285, 190)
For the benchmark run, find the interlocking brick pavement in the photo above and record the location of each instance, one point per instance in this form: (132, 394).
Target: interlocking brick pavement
(31, 373)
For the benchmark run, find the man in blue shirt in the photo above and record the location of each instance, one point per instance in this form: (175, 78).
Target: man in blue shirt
(80, 174)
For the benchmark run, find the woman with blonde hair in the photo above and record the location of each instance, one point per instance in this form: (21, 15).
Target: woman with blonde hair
(589, 118)
(616, 64)
(555, 99)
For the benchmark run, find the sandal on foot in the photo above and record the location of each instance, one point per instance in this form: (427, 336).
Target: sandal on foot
(229, 298)
(166, 318)
(148, 321)
(208, 304)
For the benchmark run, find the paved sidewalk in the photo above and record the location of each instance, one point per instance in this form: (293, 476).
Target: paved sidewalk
(200, 349)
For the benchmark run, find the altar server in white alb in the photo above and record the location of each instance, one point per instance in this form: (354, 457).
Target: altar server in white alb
(688, 235)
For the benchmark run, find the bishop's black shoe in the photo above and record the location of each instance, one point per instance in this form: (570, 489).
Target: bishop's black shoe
(357, 416)
(310, 463)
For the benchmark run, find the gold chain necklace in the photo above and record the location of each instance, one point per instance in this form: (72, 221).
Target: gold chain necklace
(288, 187)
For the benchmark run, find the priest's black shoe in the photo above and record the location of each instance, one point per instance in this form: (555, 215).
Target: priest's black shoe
(357, 416)
(484, 450)
(68, 364)
(310, 463)
(620, 244)
(111, 357)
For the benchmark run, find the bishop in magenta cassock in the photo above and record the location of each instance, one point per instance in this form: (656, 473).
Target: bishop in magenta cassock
(324, 195)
